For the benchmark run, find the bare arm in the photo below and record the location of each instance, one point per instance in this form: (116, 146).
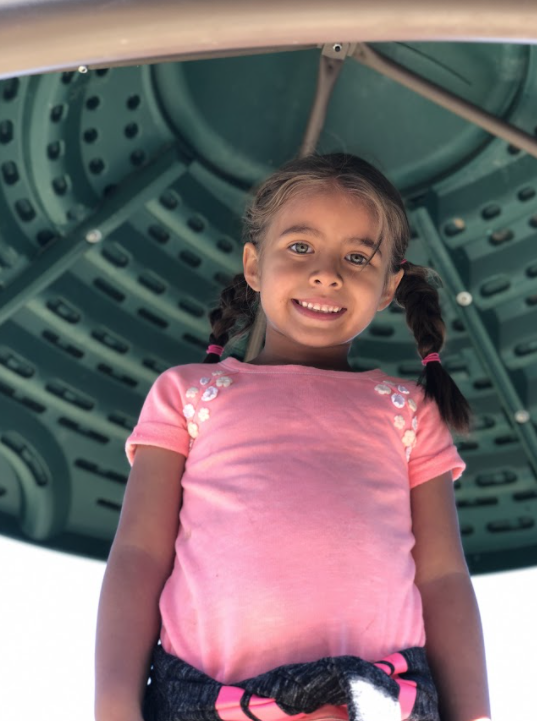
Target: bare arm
(455, 647)
(140, 561)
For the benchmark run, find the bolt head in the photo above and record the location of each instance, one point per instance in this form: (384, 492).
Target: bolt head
(464, 298)
(94, 236)
(522, 416)
(82, 69)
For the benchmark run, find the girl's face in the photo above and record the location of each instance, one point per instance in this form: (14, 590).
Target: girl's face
(314, 250)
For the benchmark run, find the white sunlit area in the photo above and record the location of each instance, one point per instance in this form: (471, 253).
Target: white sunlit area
(48, 613)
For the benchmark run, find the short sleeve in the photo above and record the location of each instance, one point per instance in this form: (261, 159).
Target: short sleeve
(161, 422)
(434, 452)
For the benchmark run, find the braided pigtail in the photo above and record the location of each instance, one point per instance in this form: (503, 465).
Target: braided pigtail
(237, 307)
(419, 297)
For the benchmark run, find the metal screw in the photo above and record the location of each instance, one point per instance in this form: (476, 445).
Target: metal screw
(337, 47)
(464, 298)
(522, 416)
(82, 69)
(94, 236)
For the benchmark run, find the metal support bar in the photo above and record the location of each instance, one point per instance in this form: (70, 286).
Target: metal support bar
(209, 55)
(58, 257)
(501, 129)
(330, 66)
(482, 343)
(45, 35)
(331, 62)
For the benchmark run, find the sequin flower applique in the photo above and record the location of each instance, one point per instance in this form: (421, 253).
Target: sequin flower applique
(399, 397)
(210, 393)
(383, 389)
(211, 387)
(189, 411)
(409, 438)
(398, 400)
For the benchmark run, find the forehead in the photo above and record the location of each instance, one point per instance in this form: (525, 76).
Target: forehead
(332, 212)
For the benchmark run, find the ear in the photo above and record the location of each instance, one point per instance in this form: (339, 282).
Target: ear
(391, 287)
(250, 264)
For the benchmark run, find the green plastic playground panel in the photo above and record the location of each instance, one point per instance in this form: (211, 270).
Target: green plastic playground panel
(121, 193)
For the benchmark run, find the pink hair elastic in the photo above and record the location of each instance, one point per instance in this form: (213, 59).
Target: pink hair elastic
(431, 358)
(217, 349)
(403, 261)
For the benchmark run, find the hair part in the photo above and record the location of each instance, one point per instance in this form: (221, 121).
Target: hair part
(416, 293)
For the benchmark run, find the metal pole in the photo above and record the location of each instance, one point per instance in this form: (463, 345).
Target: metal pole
(367, 56)
(330, 66)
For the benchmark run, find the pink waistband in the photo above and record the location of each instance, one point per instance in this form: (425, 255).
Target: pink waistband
(228, 703)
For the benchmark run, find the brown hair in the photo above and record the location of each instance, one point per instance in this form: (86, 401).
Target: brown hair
(416, 292)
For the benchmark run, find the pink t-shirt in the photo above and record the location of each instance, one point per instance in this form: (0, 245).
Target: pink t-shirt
(295, 531)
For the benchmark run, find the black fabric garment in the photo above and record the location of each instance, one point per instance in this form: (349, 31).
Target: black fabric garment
(179, 692)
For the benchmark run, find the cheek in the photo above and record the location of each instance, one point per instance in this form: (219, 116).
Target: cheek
(278, 274)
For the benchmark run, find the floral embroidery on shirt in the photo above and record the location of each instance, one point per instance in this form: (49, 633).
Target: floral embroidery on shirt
(397, 393)
(189, 411)
(398, 400)
(195, 415)
(209, 393)
(383, 389)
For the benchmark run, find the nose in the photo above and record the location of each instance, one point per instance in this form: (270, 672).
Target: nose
(327, 276)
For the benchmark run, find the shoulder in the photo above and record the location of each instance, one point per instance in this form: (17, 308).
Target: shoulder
(402, 391)
(190, 374)
(186, 370)
(427, 439)
(191, 382)
(397, 383)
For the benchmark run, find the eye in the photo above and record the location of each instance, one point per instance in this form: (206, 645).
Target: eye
(300, 243)
(362, 260)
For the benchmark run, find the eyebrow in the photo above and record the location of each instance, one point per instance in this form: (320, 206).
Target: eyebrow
(299, 229)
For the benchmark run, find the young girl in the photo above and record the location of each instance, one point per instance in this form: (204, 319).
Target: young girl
(289, 528)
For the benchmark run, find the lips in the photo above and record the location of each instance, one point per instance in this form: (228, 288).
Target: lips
(318, 315)
(320, 301)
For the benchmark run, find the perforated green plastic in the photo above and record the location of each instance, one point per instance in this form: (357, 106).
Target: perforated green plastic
(120, 200)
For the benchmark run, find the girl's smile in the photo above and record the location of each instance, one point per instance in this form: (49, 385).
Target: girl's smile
(320, 310)
(316, 252)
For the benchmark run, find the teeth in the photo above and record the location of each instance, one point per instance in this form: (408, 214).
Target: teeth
(318, 307)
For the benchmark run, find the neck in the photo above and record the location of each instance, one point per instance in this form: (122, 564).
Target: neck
(270, 358)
